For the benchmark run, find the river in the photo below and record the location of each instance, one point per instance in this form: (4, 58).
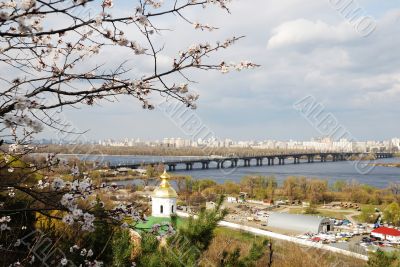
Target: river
(377, 176)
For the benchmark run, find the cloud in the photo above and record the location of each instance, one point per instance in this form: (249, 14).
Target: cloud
(304, 48)
(302, 31)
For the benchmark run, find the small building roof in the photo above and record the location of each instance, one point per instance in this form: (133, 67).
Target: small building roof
(297, 222)
(386, 231)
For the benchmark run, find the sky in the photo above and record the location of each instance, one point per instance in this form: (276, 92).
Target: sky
(304, 48)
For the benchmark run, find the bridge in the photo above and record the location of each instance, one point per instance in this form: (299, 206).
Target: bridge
(247, 161)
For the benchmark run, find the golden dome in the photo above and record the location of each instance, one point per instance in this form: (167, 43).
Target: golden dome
(165, 190)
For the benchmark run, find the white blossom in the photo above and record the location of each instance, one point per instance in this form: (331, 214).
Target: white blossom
(17, 243)
(90, 253)
(68, 219)
(107, 4)
(4, 227)
(64, 262)
(76, 213)
(67, 200)
(83, 252)
(58, 184)
(28, 4)
(5, 219)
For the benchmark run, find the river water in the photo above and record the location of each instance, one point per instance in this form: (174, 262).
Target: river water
(377, 176)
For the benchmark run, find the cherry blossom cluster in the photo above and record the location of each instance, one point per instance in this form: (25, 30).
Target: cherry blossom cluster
(82, 252)
(11, 121)
(225, 68)
(203, 27)
(221, 3)
(154, 4)
(3, 223)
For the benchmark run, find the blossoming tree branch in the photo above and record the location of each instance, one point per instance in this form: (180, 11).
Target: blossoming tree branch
(52, 55)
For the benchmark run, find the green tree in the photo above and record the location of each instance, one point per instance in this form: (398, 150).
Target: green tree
(272, 185)
(368, 214)
(392, 213)
(317, 189)
(200, 185)
(311, 209)
(249, 182)
(339, 185)
(289, 187)
(122, 248)
(186, 246)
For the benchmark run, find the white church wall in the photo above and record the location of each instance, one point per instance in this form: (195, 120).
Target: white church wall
(168, 207)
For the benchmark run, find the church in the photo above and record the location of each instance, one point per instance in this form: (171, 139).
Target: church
(163, 199)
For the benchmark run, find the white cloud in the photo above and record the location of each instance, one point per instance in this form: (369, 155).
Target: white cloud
(303, 31)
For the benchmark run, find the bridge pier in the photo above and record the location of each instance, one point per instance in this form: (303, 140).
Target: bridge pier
(247, 162)
(219, 164)
(204, 165)
(171, 167)
(189, 166)
(272, 161)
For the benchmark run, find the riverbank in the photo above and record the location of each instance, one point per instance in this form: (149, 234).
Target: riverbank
(391, 165)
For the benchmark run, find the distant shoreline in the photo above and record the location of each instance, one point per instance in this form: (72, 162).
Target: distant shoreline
(389, 165)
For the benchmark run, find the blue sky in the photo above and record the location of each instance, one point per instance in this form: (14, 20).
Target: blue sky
(303, 47)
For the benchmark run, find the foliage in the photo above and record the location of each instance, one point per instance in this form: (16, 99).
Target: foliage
(384, 259)
(121, 249)
(392, 213)
(339, 185)
(187, 245)
(260, 187)
(368, 214)
(314, 190)
(200, 185)
(311, 209)
(235, 259)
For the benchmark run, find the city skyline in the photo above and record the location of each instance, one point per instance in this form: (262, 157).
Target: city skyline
(315, 144)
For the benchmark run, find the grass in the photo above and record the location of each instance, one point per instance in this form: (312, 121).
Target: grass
(157, 220)
(285, 254)
(237, 234)
(323, 212)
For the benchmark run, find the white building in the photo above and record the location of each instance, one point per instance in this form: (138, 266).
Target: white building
(230, 199)
(163, 200)
(386, 233)
(299, 223)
